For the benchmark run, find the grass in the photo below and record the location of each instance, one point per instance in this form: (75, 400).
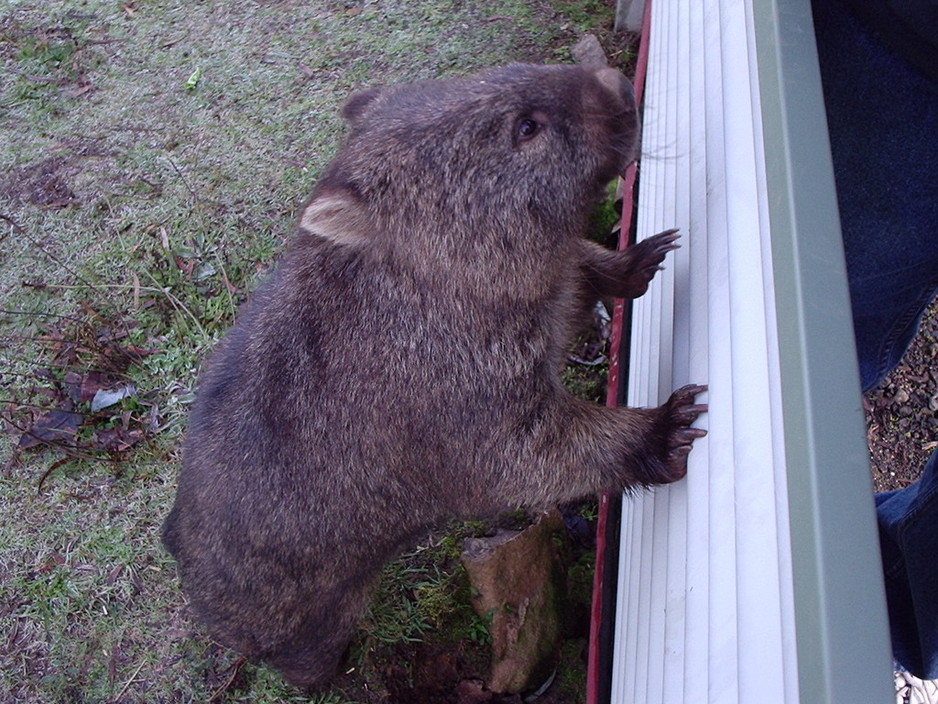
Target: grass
(138, 207)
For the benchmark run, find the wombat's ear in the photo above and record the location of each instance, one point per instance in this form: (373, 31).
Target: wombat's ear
(358, 104)
(338, 214)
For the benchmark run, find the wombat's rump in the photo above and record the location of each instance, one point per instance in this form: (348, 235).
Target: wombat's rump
(401, 365)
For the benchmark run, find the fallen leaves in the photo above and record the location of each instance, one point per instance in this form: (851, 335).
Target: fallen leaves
(80, 402)
(53, 427)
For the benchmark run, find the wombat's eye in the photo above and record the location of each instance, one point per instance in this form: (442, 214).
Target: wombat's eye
(527, 128)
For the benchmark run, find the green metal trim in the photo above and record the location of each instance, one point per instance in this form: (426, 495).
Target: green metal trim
(841, 624)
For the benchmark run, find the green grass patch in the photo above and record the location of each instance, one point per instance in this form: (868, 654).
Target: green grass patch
(140, 206)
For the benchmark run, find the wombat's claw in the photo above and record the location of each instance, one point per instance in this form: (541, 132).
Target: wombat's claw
(654, 249)
(685, 415)
(670, 235)
(685, 395)
(650, 253)
(682, 411)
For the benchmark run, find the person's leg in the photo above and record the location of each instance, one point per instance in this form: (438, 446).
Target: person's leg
(908, 527)
(883, 120)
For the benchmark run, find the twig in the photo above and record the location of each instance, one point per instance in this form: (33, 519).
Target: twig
(235, 669)
(130, 681)
(7, 311)
(185, 182)
(32, 77)
(19, 230)
(177, 304)
(52, 467)
(228, 285)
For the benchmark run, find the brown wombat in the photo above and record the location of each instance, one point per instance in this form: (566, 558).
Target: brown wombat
(401, 365)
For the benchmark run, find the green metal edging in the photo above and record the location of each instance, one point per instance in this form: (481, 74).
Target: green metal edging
(841, 624)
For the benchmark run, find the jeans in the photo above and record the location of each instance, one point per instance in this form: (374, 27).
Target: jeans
(908, 535)
(883, 120)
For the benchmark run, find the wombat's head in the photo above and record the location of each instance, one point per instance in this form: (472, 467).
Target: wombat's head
(506, 151)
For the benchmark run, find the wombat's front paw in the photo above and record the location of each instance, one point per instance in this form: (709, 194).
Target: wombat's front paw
(679, 412)
(648, 256)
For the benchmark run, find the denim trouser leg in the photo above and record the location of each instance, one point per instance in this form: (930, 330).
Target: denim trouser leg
(883, 119)
(909, 539)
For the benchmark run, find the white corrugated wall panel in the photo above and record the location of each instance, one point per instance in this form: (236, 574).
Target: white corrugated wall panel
(705, 608)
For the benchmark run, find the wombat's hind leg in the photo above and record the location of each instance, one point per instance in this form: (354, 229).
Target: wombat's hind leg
(307, 667)
(311, 655)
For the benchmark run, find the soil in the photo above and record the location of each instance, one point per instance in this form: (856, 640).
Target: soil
(43, 184)
(902, 412)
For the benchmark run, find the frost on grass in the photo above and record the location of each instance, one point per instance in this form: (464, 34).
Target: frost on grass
(135, 215)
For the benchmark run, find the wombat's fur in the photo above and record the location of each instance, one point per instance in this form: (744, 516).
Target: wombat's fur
(401, 365)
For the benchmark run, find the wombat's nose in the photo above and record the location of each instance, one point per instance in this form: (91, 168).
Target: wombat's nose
(616, 84)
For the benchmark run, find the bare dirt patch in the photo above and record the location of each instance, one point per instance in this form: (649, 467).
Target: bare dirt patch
(902, 412)
(44, 184)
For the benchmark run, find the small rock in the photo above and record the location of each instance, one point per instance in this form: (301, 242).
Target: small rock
(517, 582)
(472, 692)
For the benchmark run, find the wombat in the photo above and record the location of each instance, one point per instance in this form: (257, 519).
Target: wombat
(401, 364)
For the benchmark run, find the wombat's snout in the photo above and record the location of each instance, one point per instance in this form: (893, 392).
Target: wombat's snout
(618, 85)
